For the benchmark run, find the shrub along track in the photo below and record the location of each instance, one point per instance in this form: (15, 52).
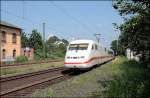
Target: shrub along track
(22, 85)
(20, 64)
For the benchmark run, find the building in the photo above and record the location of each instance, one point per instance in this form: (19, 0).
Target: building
(28, 52)
(10, 46)
(131, 55)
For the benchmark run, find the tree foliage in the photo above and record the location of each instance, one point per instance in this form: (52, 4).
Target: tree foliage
(135, 31)
(53, 46)
(24, 40)
(114, 46)
(65, 41)
(56, 44)
(53, 39)
(35, 40)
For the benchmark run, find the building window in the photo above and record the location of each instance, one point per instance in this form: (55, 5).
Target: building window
(3, 36)
(105, 49)
(96, 47)
(24, 52)
(14, 37)
(29, 53)
(3, 53)
(14, 53)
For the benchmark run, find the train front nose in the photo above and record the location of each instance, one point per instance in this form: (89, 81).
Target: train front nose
(74, 61)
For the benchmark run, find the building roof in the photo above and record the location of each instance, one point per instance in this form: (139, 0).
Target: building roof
(4, 23)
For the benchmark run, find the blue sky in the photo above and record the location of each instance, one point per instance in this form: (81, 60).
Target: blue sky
(65, 19)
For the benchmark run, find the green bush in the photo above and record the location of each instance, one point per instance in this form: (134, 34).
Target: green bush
(49, 54)
(133, 82)
(21, 59)
(8, 62)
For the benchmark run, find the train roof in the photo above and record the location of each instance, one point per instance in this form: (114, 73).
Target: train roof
(82, 41)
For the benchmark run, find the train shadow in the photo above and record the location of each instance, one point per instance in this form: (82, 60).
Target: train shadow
(74, 72)
(98, 65)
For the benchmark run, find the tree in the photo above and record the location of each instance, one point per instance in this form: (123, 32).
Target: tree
(114, 47)
(53, 39)
(50, 43)
(56, 46)
(24, 40)
(135, 30)
(35, 40)
(65, 41)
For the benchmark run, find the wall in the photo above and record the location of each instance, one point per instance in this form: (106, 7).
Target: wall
(9, 46)
(28, 52)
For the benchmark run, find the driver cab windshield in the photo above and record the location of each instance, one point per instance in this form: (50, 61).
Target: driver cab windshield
(83, 46)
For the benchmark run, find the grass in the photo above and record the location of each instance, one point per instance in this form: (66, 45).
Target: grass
(11, 71)
(81, 85)
(129, 80)
(36, 60)
(44, 94)
(118, 78)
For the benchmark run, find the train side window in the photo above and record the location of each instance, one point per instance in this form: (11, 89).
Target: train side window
(92, 47)
(95, 47)
(105, 49)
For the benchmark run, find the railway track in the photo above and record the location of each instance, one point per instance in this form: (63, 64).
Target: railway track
(24, 84)
(20, 64)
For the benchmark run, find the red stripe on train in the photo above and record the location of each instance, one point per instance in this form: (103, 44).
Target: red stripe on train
(93, 58)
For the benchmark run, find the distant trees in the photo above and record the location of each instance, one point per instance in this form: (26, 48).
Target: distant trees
(53, 39)
(114, 47)
(135, 31)
(65, 41)
(53, 46)
(117, 48)
(56, 44)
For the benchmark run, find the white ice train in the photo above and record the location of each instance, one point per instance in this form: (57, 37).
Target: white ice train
(84, 54)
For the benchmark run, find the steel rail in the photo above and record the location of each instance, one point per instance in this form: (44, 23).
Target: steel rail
(29, 85)
(35, 78)
(9, 78)
(19, 64)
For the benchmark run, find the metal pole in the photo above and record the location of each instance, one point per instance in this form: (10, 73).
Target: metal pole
(0, 48)
(44, 40)
(117, 47)
(97, 35)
